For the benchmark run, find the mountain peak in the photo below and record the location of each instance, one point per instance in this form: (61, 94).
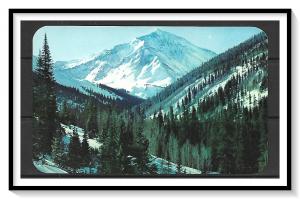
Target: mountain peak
(158, 30)
(143, 66)
(159, 34)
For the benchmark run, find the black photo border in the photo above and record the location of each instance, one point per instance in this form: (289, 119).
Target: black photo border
(288, 13)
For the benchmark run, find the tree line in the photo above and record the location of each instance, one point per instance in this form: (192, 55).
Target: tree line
(224, 132)
(120, 132)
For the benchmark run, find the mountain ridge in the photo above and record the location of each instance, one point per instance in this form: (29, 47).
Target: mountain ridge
(141, 66)
(213, 75)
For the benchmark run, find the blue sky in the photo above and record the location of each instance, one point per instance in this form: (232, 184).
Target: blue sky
(74, 42)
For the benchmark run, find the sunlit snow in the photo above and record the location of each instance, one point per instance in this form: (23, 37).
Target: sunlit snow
(156, 59)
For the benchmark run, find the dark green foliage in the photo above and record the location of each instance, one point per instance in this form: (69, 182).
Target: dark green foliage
(220, 65)
(65, 114)
(214, 132)
(58, 152)
(237, 139)
(74, 153)
(179, 166)
(219, 132)
(44, 100)
(91, 124)
(85, 151)
(128, 100)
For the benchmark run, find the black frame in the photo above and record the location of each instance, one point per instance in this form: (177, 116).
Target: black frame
(285, 11)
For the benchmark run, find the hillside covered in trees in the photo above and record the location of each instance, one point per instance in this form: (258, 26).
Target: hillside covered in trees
(214, 118)
(210, 121)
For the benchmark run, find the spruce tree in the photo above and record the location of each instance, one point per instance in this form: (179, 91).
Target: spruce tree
(44, 100)
(85, 151)
(91, 125)
(263, 140)
(179, 166)
(194, 127)
(65, 115)
(58, 150)
(74, 154)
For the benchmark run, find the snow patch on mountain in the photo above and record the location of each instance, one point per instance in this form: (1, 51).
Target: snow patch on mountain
(210, 90)
(65, 78)
(91, 76)
(143, 66)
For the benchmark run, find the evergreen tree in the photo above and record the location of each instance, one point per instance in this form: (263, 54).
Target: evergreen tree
(44, 99)
(179, 166)
(111, 155)
(58, 154)
(91, 125)
(228, 159)
(194, 129)
(172, 117)
(65, 115)
(263, 139)
(85, 151)
(74, 154)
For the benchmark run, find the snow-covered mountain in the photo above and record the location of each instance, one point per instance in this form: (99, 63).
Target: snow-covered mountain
(143, 66)
(247, 69)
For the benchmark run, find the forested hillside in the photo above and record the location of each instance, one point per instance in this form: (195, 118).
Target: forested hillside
(79, 133)
(214, 118)
(210, 121)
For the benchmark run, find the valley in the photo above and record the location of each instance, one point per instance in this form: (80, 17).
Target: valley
(158, 105)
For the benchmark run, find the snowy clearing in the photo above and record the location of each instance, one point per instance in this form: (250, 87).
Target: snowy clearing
(163, 167)
(93, 143)
(45, 167)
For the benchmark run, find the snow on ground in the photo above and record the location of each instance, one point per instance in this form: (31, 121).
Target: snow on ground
(92, 75)
(158, 58)
(163, 167)
(66, 78)
(209, 90)
(255, 95)
(46, 166)
(93, 143)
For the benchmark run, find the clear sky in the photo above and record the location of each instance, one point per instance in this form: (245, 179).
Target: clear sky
(75, 42)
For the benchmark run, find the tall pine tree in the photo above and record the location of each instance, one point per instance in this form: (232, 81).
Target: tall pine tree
(44, 100)
(74, 155)
(85, 151)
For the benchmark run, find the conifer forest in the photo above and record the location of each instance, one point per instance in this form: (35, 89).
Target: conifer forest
(158, 105)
